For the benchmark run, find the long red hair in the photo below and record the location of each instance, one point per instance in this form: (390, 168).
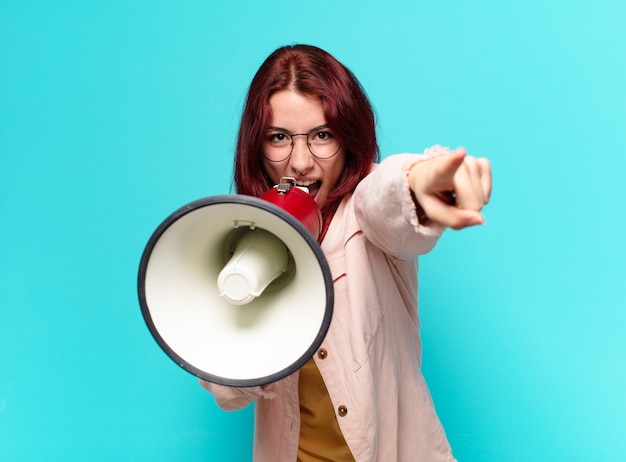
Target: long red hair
(313, 72)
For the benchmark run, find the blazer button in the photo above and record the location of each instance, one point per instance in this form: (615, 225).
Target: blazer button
(322, 353)
(342, 410)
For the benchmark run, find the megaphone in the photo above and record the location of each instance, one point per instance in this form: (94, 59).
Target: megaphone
(235, 289)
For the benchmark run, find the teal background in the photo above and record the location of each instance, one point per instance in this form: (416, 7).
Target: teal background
(113, 114)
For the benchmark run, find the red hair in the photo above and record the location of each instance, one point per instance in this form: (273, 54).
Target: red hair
(312, 72)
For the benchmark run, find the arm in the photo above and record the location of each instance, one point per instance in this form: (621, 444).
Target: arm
(387, 212)
(404, 205)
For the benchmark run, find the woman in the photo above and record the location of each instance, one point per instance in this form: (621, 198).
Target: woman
(362, 396)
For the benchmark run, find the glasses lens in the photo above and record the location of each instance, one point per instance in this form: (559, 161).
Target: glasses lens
(323, 143)
(277, 146)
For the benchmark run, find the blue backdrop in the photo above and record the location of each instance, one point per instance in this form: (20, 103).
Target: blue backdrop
(113, 114)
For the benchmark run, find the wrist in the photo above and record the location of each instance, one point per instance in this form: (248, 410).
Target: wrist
(419, 210)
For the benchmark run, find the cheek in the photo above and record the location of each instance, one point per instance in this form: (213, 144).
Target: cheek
(272, 171)
(335, 172)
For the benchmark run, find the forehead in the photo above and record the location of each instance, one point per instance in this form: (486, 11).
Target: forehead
(296, 112)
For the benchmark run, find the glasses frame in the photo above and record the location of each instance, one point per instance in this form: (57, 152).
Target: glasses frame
(308, 144)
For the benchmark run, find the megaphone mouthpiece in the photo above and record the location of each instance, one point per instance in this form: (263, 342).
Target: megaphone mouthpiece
(259, 258)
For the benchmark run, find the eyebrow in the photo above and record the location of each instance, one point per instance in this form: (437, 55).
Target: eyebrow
(281, 129)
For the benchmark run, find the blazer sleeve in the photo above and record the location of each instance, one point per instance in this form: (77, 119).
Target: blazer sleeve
(386, 211)
(234, 398)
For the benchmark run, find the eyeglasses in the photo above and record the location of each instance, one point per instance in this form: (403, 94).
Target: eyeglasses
(321, 142)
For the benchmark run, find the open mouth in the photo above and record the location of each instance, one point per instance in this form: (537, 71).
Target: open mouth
(312, 185)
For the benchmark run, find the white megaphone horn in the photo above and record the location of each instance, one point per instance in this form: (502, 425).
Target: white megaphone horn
(235, 289)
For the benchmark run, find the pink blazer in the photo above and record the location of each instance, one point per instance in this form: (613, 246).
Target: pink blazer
(373, 349)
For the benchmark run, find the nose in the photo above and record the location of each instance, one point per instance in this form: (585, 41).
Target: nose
(301, 159)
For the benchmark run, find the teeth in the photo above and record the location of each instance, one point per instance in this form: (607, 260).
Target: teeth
(306, 183)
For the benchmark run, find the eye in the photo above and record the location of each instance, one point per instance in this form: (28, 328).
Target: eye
(278, 138)
(323, 136)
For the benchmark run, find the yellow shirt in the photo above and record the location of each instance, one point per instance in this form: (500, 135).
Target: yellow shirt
(320, 436)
